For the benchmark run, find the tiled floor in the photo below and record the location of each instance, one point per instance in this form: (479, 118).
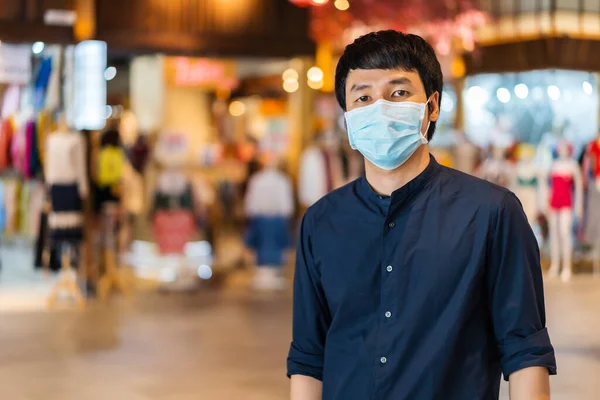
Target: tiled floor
(221, 344)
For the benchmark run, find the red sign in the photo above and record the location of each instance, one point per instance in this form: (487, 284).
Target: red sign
(173, 229)
(200, 72)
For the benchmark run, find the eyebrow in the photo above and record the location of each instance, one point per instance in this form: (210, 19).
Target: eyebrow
(356, 88)
(397, 81)
(400, 81)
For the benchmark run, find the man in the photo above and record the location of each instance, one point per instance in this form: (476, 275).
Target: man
(416, 281)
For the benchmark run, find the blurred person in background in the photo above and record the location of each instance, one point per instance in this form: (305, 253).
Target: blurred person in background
(415, 281)
(269, 206)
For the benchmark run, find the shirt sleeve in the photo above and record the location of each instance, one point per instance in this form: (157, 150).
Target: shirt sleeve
(311, 314)
(516, 293)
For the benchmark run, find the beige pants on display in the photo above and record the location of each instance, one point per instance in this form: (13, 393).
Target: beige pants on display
(561, 242)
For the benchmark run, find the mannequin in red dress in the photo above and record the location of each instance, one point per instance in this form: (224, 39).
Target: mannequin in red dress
(563, 205)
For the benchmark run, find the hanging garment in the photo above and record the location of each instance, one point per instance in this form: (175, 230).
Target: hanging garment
(561, 191)
(66, 174)
(7, 131)
(10, 205)
(313, 181)
(592, 221)
(17, 149)
(139, 154)
(269, 237)
(593, 155)
(2, 208)
(270, 193)
(44, 126)
(66, 219)
(11, 101)
(42, 80)
(33, 160)
(65, 161)
(173, 216)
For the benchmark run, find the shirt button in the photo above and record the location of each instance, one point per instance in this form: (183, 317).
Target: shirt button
(388, 314)
(392, 224)
(383, 360)
(389, 268)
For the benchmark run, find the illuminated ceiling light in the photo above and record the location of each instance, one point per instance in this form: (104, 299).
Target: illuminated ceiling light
(315, 85)
(342, 5)
(291, 85)
(237, 108)
(521, 91)
(320, 2)
(553, 92)
(587, 88)
(290, 73)
(110, 73)
(38, 47)
(477, 95)
(315, 74)
(503, 95)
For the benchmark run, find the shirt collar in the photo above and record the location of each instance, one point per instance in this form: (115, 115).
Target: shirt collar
(406, 192)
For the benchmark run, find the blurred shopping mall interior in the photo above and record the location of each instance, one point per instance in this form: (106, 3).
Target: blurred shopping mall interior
(148, 119)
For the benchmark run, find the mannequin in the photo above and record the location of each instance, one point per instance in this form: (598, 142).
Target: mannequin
(592, 228)
(269, 205)
(65, 173)
(563, 205)
(527, 177)
(497, 169)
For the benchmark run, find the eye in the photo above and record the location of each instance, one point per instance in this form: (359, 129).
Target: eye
(363, 99)
(400, 93)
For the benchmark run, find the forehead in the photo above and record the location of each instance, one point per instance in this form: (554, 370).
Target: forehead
(378, 77)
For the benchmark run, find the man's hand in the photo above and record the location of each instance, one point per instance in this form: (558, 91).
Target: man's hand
(530, 384)
(306, 388)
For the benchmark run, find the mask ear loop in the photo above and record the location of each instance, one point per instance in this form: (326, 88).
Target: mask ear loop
(428, 122)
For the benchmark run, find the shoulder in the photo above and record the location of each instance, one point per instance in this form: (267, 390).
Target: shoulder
(331, 203)
(470, 189)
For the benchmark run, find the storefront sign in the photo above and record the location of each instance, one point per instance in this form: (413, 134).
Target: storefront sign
(15, 64)
(60, 17)
(200, 73)
(89, 85)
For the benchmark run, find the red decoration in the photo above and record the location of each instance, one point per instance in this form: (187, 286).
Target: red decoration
(443, 23)
(301, 3)
(172, 230)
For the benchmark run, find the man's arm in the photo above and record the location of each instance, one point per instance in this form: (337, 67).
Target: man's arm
(528, 384)
(306, 388)
(516, 301)
(311, 323)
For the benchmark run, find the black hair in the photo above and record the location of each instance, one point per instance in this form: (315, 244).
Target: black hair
(391, 50)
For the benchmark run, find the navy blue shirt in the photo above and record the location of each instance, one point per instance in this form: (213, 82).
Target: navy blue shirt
(428, 294)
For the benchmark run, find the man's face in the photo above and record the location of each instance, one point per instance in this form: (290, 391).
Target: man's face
(366, 86)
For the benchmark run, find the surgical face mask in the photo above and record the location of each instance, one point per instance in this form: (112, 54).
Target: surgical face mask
(387, 133)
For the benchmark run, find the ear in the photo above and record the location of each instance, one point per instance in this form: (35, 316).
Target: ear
(434, 107)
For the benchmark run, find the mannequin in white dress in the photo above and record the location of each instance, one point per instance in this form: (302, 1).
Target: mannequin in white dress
(496, 168)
